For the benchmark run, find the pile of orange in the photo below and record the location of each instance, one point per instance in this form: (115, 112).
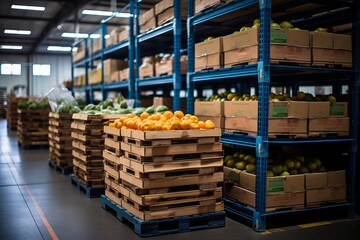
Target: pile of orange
(158, 122)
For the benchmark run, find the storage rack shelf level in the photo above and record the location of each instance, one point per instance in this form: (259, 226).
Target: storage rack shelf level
(124, 49)
(263, 71)
(153, 41)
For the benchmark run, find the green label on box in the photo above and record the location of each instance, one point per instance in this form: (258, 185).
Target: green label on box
(277, 36)
(337, 109)
(275, 184)
(280, 110)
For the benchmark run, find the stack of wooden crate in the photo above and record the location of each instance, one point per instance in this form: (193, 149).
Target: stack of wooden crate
(167, 174)
(12, 114)
(59, 139)
(112, 166)
(33, 127)
(88, 143)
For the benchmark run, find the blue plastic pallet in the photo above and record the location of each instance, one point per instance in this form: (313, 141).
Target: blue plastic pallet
(65, 170)
(164, 226)
(90, 192)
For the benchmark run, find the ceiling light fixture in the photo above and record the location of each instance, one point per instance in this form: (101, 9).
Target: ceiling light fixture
(26, 7)
(74, 35)
(20, 32)
(59, 48)
(105, 13)
(11, 47)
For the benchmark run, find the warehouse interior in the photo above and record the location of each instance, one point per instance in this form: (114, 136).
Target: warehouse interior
(221, 119)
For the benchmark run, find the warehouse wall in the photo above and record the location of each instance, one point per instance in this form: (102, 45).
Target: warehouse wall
(60, 71)
(9, 81)
(39, 85)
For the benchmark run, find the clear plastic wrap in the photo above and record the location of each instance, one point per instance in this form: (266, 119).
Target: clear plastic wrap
(60, 99)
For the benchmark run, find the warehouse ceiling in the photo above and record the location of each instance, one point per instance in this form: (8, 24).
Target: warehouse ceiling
(58, 17)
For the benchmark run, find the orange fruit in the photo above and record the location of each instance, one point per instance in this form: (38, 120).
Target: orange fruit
(168, 114)
(131, 124)
(166, 127)
(157, 126)
(155, 116)
(185, 125)
(144, 115)
(147, 126)
(112, 124)
(122, 119)
(194, 125)
(130, 115)
(179, 114)
(187, 116)
(209, 124)
(201, 124)
(194, 119)
(119, 125)
(175, 125)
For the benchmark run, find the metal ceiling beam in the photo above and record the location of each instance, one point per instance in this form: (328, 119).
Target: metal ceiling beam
(64, 13)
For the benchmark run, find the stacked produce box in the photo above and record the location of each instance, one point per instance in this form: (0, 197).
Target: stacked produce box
(88, 143)
(170, 166)
(59, 139)
(12, 114)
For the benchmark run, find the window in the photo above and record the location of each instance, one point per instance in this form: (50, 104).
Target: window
(10, 69)
(41, 69)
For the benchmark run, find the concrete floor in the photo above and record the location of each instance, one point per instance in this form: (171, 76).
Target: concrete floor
(36, 202)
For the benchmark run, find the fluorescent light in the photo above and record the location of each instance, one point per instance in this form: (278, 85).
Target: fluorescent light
(74, 35)
(75, 49)
(26, 7)
(107, 36)
(21, 32)
(105, 13)
(11, 47)
(59, 48)
(95, 35)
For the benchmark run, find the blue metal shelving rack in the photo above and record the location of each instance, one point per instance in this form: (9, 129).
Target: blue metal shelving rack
(124, 49)
(173, 28)
(263, 72)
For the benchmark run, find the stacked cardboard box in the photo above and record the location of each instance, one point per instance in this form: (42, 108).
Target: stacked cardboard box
(112, 68)
(33, 127)
(114, 37)
(59, 134)
(168, 174)
(209, 54)
(80, 80)
(12, 111)
(166, 66)
(79, 54)
(213, 111)
(95, 76)
(202, 5)
(164, 11)
(147, 68)
(147, 20)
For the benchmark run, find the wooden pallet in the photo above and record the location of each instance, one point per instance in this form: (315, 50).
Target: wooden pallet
(110, 156)
(157, 167)
(167, 142)
(114, 151)
(63, 169)
(90, 191)
(93, 178)
(60, 130)
(112, 133)
(113, 195)
(61, 147)
(114, 183)
(174, 157)
(87, 138)
(61, 116)
(87, 150)
(87, 126)
(164, 226)
(87, 158)
(331, 65)
(188, 178)
(327, 134)
(112, 171)
(171, 149)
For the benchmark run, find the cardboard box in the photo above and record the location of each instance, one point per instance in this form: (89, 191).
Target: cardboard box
(218, 120)
(209, 108)
(316, 180)
(150, 24)
(336, 178)
(289, 37)
(95, 76)
(201, 5)
(209, 47)
(166, 4)
(337, 124)
(276, 109)
(146, 16)
(321, 40)
(79, 54)
(342, 42)
(212, 61)
(332, 56)
(339, 109)
(111, 66)
(124, 35)
(246, 180)
(168, 15)
(147, 70)
(115, 76)
(273, 200)
(276, 125)
(319, 109)
(124, 74)
(114, 37)
(338, 194)
(167, 67)
(318, 195)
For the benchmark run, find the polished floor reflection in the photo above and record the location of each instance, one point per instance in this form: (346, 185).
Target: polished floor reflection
(37, 202)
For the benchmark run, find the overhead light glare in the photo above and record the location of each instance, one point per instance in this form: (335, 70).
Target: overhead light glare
(11, 47)
(95, 35)
(74, 49)
(105, 13)
(59, 48)
(107, 36)
(14, 31)
(74, 35)
(26, 7)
